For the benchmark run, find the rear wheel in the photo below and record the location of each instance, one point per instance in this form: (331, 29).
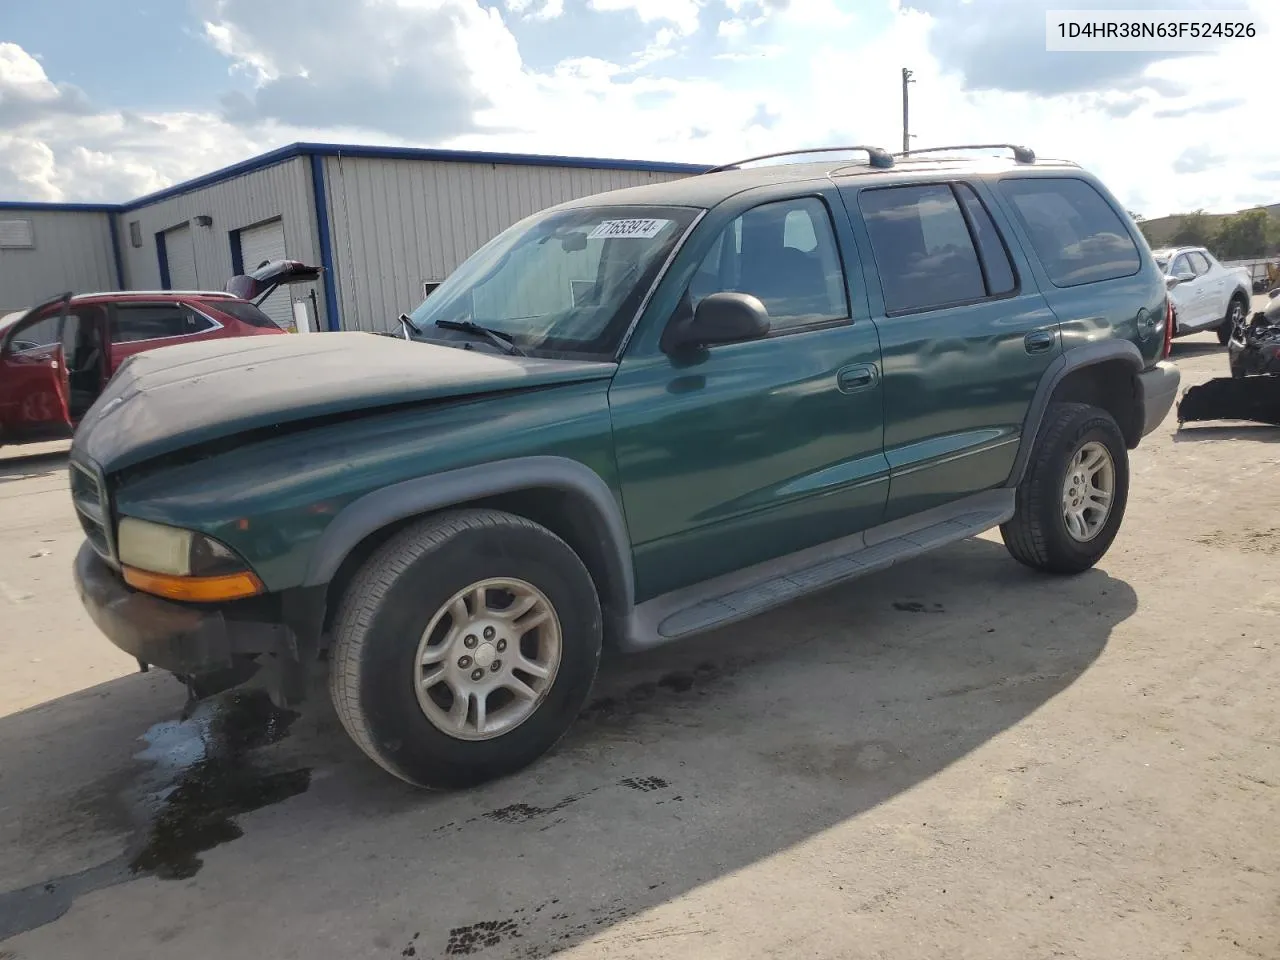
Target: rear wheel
(464, 648)
(1071, 500)
(1234, 317)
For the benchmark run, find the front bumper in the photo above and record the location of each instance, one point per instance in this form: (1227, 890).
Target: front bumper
(189, 640)
(1159, 391)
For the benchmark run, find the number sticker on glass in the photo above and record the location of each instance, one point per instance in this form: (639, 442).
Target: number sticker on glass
(645, 229)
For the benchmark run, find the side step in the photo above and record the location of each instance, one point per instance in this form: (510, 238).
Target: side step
(746, 593)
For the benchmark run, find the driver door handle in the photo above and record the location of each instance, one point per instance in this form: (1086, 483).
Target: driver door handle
(856, 377)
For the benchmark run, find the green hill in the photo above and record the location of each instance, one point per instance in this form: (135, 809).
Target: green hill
(1227, 234)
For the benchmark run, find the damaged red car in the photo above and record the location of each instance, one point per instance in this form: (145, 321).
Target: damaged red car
(58, 356)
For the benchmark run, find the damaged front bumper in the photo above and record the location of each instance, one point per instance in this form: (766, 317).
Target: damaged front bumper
(211, 647)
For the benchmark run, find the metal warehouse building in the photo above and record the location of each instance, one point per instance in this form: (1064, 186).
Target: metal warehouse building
(383, 222)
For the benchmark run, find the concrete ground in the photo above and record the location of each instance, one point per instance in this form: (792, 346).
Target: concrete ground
(955, 758)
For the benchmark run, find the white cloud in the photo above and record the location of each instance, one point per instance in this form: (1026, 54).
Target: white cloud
(683, 14)
(27, 94)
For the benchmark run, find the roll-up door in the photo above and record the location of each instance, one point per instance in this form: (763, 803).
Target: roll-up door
(180, 251)
(261, 243)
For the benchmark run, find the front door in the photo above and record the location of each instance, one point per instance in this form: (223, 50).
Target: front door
(748, 451)
(1189, 295)
(966, 337)
(33, 378)
(1213, 281)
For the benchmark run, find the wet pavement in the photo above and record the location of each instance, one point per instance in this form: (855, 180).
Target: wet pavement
(953, 758)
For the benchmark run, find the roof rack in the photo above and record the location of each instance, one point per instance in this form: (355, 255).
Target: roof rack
(878, 156)
(1020, 153)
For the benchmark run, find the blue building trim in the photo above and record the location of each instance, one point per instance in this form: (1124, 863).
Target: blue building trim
(332, 320)
(63, 207)
(217, 176)
(115, 250)
(283, 154)
(237, 253)
(162, 257)
(477, 156)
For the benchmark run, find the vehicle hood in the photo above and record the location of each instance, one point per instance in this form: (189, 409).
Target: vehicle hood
(181, 396)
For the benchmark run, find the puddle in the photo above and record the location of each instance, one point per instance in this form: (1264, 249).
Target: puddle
(216, 780)
(202, 775)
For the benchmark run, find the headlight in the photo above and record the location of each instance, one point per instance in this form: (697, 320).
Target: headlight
(182, 564)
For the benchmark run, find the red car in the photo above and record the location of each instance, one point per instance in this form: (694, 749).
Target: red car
(56, 357)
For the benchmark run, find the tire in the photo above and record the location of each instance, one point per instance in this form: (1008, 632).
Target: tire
(1037, 535)
(405, 586)
(1236, 311)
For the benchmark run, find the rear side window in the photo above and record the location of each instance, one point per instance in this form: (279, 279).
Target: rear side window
(1199, 263)
(1076, 234)
(924, 253)
(155, 321)
(995, 256)
(785, 253)
(246, 313)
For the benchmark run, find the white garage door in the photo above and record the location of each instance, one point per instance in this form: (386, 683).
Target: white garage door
(261, 243)
(181, 253)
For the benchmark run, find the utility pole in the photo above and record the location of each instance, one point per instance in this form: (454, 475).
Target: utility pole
(906, 122)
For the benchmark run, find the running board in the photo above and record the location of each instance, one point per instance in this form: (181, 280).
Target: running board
(746, 593)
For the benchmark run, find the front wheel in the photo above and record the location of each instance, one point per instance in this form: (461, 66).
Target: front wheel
(1071, 500)
(464, 648)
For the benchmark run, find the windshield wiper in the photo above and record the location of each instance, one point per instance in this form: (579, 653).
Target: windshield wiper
(500, 340)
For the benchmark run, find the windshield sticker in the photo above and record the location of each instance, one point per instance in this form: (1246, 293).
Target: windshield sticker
(636, 229)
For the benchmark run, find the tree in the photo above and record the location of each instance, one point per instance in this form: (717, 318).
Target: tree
(1242, 235)
(1194, 230)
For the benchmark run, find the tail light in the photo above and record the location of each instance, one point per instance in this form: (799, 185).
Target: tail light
(1168, 329)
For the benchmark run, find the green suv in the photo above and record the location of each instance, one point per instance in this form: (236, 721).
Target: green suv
(627, 419)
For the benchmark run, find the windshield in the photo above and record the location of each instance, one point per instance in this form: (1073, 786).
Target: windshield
(568, 281)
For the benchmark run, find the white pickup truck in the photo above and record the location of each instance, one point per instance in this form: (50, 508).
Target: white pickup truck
(1206, 295)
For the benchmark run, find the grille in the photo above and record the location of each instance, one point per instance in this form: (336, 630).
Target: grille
(87, 495)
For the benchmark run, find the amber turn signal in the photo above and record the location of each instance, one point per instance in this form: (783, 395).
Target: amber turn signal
(231, 586)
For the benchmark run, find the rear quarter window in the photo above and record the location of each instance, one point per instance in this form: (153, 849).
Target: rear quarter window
(1075, 233)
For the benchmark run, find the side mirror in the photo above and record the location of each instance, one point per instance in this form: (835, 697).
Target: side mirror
(1185, 277)
(1171, 282)
(1274, 293)
(724, 318)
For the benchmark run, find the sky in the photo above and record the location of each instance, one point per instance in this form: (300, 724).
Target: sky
(103, 100)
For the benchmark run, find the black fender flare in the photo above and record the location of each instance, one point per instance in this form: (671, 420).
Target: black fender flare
(438, 491)
(1068, 362)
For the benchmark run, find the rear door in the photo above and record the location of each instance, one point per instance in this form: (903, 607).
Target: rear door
(33, 379)
(965, 333)
(135, 327)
